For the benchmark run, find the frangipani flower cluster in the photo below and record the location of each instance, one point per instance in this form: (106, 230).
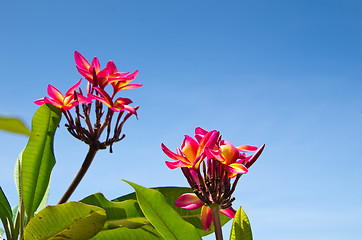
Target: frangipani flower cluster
(209, 164)
(96, 94)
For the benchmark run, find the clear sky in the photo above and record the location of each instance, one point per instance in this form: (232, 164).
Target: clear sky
(284, 73)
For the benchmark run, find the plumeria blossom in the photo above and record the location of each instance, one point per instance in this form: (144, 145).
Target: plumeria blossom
(191, 202)
(191, 153)
(66, 102)
(120, 104)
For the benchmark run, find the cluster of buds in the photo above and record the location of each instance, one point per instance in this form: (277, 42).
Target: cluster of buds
(98, 80)
(212, 167)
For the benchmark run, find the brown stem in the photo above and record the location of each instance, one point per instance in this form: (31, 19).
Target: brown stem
(87, 162)
(215, 212)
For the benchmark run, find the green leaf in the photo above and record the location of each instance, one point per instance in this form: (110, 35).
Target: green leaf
(71, 220)
(124, 219)
(6, 214)
(1, 232)
(5, 209)
(147, 232)
(191, 216)
(163, 217)
(13, 125)
(241, 227)
(38, 157)
(119, 214)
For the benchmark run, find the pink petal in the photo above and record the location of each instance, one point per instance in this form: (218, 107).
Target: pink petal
(80, 61)
(123, 101)
(176, 164)
(247, 148)
(130, 86)
(102, 100)
(39, 101)
(95, 65)
(82, 99)
(111, 67)
(211, 154)
(86, 74)
(189, 148)
(172, 155)
(188, 201)
(131, 110)
(53, 102)
(200, 131)
(72, 89)
(255, 157)
(229, 152)
(237, 168)
(230, 212)
(104, 95)
(206, 217)
(209, 141)
(132, 76)
(55, 94)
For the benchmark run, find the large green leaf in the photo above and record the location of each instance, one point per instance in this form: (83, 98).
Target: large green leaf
(125, 219)
(191, 216)
(147, 232)
(163, 217)
(6, 214)
(13, 125)
(71, 220)
(241, 227)
(38, 158)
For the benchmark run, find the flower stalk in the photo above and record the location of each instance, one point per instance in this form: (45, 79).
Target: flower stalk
(215, 212)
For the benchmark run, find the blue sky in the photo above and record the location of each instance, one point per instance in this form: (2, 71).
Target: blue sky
(284, 73)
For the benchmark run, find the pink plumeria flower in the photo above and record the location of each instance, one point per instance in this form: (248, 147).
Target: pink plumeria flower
(191, 202)
(66, 102)
(89, 71)
(191, 153)
(120, 104)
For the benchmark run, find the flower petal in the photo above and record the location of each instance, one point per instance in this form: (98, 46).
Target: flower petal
(130, 86)
(247, 148)
(53, 102)
(39, 101)
(237, 168)
(209, 140)
(95, 65)
(82, 99)
(105, 96)
(72, 89)
(131, 110)
(189, 148)
(255, 157)
(55, 94)
(230, 212)
(172, 155)
(200, 131)
(229, 152)
(211, 154)
(206, 217)
(111, 67)
(86, 74)
(102, 100)
(80, 61)
(178, 163)
(188, 201)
